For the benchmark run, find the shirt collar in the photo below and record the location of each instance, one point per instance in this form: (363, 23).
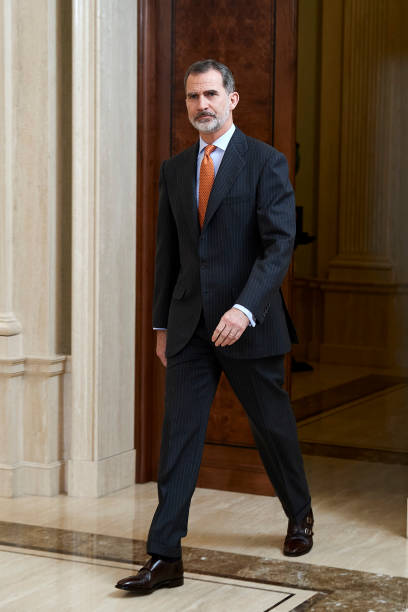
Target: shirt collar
(221, 142)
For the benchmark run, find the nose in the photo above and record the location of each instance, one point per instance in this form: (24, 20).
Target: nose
(202, 103)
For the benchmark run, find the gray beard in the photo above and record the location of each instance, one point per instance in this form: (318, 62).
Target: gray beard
(211, 126)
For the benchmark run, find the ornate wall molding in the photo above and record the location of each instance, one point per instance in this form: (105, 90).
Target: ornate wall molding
(9, 324)
(12, 367)
(45, 366)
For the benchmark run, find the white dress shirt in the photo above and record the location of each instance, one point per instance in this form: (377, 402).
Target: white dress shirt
(221, 144)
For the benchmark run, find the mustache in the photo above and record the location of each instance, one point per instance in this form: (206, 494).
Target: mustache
(204, 114)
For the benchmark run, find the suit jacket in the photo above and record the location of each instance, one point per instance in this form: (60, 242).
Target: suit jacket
(241, 255)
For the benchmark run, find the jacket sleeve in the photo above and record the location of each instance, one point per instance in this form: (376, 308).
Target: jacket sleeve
(167, 261)
(276, 215)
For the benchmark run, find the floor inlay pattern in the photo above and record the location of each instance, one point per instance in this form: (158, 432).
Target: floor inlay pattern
(83, 584)
(329, 588)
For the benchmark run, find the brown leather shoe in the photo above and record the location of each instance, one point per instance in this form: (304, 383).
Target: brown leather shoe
(299, 539)
(154, 575)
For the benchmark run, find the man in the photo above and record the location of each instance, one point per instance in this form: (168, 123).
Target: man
(225, 237)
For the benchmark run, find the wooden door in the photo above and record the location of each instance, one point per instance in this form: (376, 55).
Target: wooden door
(257, 40)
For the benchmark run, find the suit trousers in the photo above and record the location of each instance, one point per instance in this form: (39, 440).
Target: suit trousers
(191, 382)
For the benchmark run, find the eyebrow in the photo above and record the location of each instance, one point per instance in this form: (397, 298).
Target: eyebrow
(190, 94)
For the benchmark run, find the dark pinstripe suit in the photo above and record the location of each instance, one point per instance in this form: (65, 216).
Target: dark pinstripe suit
(241, 256)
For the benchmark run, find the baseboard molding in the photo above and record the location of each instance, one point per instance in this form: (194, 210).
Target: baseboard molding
(84, 478)
(98, 478)
(10, 481)
(357, 323)
(28, 478)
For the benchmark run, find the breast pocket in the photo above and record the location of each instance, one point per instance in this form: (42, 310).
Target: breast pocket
(237, 199)
(238, 208)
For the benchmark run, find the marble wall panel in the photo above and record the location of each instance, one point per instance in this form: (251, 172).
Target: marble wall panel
(102, 456)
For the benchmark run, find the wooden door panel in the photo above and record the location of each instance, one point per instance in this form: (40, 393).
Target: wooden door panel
(258, 41)
(228, 422)
(241, 35)
(233, 468)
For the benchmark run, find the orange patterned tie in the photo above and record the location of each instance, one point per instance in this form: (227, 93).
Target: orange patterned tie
(206, 182)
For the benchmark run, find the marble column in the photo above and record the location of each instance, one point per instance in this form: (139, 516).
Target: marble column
(362, 251)
(11, 346)
(102, 455)
(38, 169)
(369, 153)
(31, 378)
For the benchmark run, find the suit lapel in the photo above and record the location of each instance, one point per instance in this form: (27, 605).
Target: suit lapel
(187, 187)
(233, 161)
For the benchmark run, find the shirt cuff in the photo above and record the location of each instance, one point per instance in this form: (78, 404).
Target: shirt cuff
(159, 328)
(247, 312)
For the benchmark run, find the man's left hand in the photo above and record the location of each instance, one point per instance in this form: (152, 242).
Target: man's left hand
(230, 328)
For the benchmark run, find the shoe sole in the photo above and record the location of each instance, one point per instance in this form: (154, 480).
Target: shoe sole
(298, 554)
(166, 584)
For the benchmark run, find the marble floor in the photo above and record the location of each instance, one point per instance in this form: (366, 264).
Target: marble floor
(379, 422)
(353, 413)
(66, 553)
(326, 375)
(86, 584)
(360, 552)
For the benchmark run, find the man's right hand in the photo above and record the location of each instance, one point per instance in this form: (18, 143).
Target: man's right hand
(161, 339)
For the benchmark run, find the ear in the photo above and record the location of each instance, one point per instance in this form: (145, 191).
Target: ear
(234, 99)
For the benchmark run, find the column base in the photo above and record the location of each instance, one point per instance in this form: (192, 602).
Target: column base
(360, 324)
(11, 416)
(98, 478)
(11, 479)
(364, 323)
(31, 423)
(31, 479)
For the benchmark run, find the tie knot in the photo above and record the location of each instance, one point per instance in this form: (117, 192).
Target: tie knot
(209, 149)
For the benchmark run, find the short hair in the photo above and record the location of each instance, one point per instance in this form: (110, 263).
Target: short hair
(210, 64)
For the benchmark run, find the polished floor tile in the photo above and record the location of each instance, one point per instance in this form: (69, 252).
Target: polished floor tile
(324, 376)
(66, 553)
(51, 584)
(316, 404)
(381, 422)
(327, 375)
(360, 513)
(353, 413)
(231, 581)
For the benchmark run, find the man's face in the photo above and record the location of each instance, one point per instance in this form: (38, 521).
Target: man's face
(209, 106)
